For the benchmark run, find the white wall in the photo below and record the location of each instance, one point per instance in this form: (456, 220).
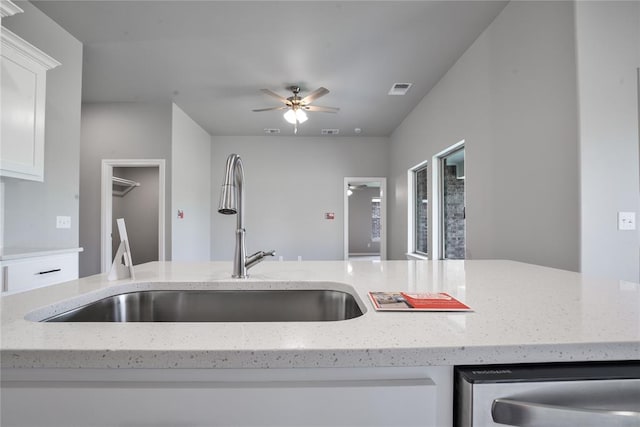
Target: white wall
(191, 189)
(512, 98)
(291, 182)
(30, 208)
(608, 46)
(118, 131)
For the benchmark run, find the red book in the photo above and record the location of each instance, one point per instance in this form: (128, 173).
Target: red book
(401, 301)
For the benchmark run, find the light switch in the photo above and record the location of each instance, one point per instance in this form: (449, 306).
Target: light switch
(63, 222)
(626, 220)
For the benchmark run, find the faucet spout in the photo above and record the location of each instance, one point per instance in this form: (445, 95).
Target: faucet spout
(231, 203)
(232, 193)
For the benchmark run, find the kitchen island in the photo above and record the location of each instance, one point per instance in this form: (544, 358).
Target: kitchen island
(521, 314)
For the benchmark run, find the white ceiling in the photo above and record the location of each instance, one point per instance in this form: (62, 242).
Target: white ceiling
(213, 57)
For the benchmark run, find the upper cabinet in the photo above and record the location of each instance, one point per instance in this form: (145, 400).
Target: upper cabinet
(22, 107)
(8, 8)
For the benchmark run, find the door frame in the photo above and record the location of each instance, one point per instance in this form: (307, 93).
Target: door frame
(106, 206)
(383, 212)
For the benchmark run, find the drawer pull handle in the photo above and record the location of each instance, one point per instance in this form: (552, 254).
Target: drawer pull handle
(50, 271)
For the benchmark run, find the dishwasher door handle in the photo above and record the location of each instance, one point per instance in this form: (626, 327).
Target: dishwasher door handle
(530, 414)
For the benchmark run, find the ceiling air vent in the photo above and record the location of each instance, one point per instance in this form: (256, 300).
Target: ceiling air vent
(330, 131)
(271, 131)
(399, 88)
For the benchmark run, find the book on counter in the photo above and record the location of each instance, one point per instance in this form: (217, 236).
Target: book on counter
(401, 301)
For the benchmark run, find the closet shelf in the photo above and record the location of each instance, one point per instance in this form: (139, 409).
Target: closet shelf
(126, 183)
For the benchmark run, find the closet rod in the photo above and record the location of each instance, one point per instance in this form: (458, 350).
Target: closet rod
(124, 182)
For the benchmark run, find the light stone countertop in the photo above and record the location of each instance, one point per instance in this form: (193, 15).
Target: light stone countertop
(8, 254)
(522, 313)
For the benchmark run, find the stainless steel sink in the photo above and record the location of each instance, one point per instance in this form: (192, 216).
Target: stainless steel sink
(218, 306)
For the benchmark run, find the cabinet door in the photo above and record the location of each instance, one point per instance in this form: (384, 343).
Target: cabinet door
(30, 273)
(287, 401)
(23, 70)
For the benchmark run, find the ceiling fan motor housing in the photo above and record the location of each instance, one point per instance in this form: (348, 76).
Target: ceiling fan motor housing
(297, 106)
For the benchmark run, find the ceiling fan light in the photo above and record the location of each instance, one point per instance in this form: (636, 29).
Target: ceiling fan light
(290, 116)
(295, 116)
(301, 116)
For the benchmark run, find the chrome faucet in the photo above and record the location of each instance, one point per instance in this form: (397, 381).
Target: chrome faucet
(232, 202)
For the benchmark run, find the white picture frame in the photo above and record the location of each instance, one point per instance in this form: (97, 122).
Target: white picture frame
(122, 266)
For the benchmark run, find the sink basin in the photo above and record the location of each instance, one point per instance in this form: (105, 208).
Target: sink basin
(217, 306)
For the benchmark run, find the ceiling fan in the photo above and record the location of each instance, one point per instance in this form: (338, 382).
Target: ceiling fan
(297, 107)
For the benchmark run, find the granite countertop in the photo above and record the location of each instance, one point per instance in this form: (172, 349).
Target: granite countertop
(521, 313)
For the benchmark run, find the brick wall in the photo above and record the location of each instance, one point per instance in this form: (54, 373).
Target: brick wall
(422, 211)
(454, 222)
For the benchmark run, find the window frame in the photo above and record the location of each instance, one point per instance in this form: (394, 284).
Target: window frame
(412, 196)
(437, 216)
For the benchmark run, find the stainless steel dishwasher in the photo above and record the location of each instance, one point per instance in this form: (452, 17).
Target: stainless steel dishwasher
(549, 395)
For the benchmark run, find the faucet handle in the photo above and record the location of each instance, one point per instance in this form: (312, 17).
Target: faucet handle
(253, 259)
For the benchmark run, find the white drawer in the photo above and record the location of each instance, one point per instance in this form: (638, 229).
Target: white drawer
(29, 273)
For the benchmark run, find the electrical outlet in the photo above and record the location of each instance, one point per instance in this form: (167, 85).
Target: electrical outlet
(626, 220)
(63, 222)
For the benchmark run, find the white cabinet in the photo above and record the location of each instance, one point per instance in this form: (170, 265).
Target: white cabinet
(228, 397)
(21, 274)
(9, 8)
(24, 74)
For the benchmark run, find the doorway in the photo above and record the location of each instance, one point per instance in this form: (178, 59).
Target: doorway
(365, 214)
(133, 189)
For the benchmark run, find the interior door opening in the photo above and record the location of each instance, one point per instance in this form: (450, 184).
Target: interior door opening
(135, 198)
(365, 218)
(133, 190)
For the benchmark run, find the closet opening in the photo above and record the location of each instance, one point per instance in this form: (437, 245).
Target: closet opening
(133, 190)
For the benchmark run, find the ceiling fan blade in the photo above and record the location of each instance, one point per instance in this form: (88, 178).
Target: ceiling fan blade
(270, 109)
(275, 95)
(321, 91)
(318, 108)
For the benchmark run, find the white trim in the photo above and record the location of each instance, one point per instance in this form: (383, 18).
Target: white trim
(26, 49)
(9, 8)
(107, 206)
(435, 208)
(411, 214)
(383, 213)
(436, 218)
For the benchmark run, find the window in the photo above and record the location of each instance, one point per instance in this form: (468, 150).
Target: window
(375, 219)
(421, 210)
(448, 211)
(445, 228)
(452, 204)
